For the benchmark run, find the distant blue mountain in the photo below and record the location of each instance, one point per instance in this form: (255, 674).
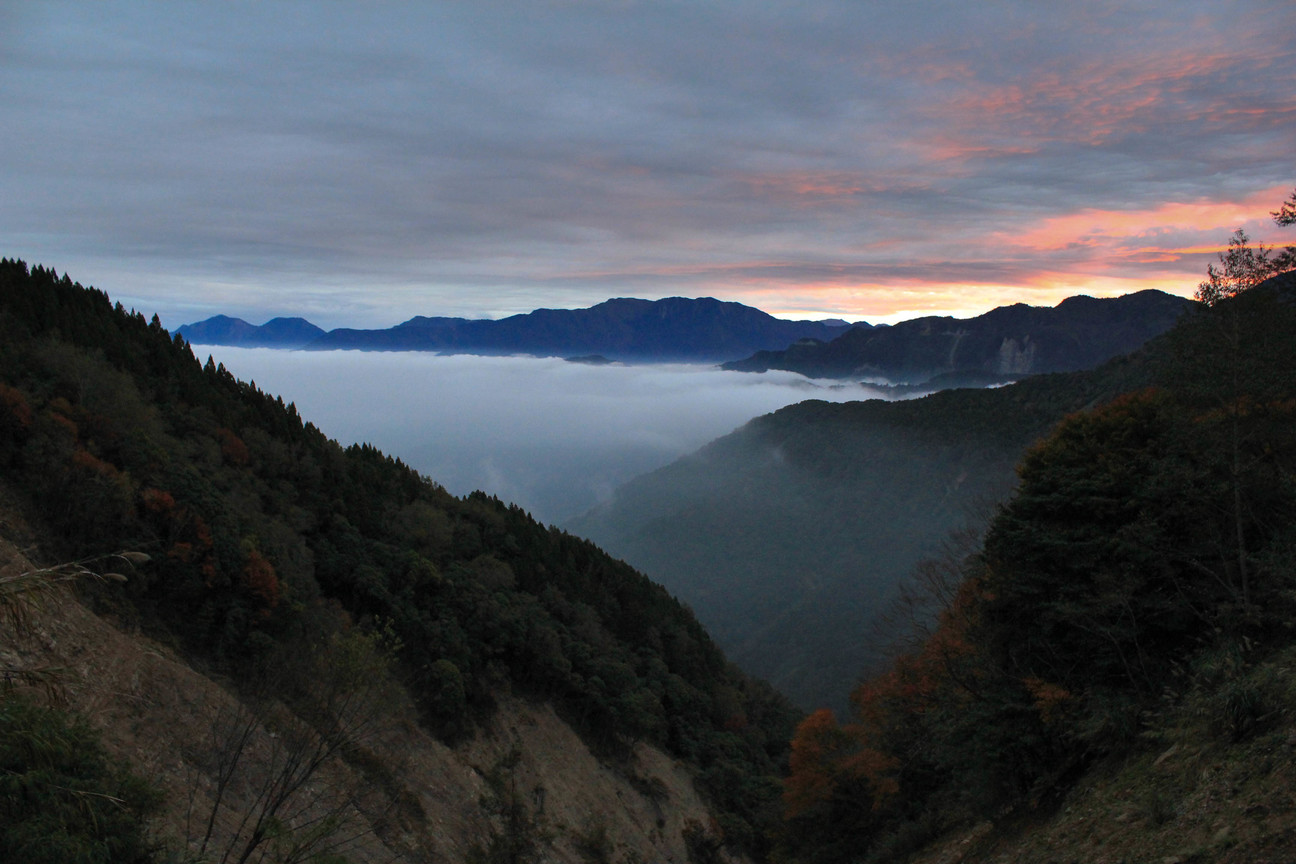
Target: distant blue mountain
(676, 329)
(275, 333)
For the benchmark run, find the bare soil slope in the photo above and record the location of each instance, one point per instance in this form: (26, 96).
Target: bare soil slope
(1189, 802)
(527, 783)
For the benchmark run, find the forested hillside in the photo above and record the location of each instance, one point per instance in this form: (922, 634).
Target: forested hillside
(1134, 596)
(789, 536)
(269, 543)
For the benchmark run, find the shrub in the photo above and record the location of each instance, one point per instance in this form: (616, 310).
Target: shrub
(61, 797)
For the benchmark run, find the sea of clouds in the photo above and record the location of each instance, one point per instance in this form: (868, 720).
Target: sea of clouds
(551, 436)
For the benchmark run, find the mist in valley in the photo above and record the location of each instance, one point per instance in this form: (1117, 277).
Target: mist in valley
(552, 436)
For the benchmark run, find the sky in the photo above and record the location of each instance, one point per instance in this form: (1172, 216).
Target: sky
(362, 163)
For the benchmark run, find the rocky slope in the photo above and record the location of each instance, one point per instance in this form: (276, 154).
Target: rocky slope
(1196, 799)
(526, 780)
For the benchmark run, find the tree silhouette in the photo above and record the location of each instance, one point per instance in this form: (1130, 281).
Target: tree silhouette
(1243, 267)
(1286, 214)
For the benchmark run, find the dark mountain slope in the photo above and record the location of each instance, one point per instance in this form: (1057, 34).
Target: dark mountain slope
(275, 333)
(1011, 341)
(1113, 661)
(675, 329)
(788, 536)
(270, 542)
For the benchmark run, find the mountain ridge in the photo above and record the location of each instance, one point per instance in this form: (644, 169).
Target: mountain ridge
(1104, 673)
(324, 581)
(275, 333)
(1009, 341)
(787, 536)
(628, 329)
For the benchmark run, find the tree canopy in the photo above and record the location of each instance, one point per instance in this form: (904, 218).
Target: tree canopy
(269, 539)
(1142, 567)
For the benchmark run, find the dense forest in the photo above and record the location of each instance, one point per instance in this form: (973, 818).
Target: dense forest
(1135, 591)
(268, 542)
(789, 536)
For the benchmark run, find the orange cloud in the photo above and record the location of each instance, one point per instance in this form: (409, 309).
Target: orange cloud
(1099, 252)
(1108, 229)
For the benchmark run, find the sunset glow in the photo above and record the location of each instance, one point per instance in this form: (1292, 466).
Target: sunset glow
(1168, 220)
(362, 165)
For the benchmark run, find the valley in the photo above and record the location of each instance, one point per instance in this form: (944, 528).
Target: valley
(538, 677)
(648, 433)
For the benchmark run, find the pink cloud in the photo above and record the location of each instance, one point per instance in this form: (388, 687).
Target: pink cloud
(1089, 103)
(1112, 230)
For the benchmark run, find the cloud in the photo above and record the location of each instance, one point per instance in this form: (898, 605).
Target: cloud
(551, 436)
(362, 164)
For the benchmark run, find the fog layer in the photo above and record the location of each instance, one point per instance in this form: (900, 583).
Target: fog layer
(552, 436)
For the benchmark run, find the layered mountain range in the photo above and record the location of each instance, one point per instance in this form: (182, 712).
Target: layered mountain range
(1106, 666)
(1005, 343)
(789, 536)
(929, 353)
(275, 333)
(672, 330)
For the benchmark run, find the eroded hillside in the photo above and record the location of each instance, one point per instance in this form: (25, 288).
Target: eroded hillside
(525, 780)
(337, 592)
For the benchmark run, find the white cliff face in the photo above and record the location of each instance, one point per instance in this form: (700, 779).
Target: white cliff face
(1014, 358)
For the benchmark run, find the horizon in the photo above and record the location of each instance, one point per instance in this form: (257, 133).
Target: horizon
(812, 160)
(874, 322)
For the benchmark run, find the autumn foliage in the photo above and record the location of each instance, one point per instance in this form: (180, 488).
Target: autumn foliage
(233, 450)
(266, 538)
(824, 755)
(14, 407)
(1145, 533)
(259, 577)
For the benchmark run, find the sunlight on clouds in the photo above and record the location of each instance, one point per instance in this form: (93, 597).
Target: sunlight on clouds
(895, 302)
(1110, 227)
(1059, 286)
(1164, 247)
(1089, 101)
(900, 301)
(876, 164)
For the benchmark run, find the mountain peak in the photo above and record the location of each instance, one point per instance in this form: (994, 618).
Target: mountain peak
(275, 333)
(1080, 332)
(673, 329)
